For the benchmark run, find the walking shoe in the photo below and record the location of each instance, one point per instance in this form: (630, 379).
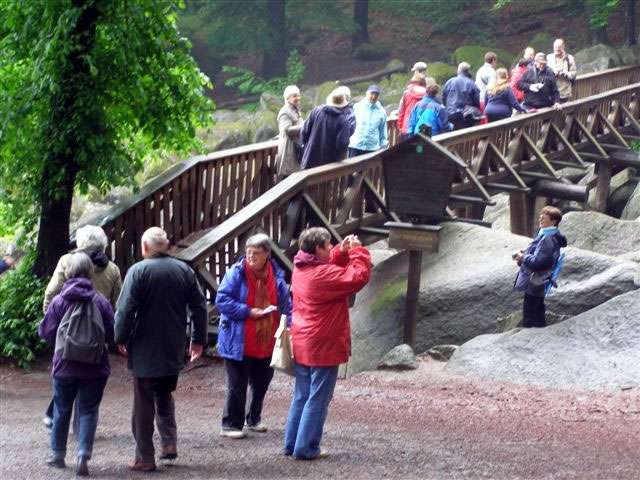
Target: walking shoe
(56, 462)
(258, 427)
(169, 452)
(231, 433)
(48, 421)
(140, 466)
(82, 470)
(322, 454)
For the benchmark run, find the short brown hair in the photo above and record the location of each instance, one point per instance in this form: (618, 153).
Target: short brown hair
(432, 90)
(313, 237)
(555, 214)
(489, 57)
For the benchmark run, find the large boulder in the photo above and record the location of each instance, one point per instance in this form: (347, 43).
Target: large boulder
(601, 233)
(628, 55)
(596, 350)
(442, 72)
(271, 102)
(631, 210)
(466, 289)
(264, 126)
(597, 58)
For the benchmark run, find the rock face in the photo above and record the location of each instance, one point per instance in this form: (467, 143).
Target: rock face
(600, 233)
(596, 350)
(597, 58)
(400, 358)
(466, 289)
(631, 210)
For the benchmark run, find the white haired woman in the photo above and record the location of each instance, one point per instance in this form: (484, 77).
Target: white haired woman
(289, 125)
(105, 276)
(251, 297)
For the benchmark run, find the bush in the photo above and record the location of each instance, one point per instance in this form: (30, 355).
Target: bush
(21, 296)
(371, 51)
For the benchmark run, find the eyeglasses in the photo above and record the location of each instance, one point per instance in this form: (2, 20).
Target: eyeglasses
(250, 252)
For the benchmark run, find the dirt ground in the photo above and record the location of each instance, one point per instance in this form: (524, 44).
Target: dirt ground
(423, 424)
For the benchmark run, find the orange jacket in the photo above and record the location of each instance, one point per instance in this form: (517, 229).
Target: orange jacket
(320, 328)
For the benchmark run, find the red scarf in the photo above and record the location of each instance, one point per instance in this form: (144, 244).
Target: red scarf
(258, 332)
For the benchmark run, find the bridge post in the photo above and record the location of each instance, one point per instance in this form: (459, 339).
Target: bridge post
(413, 294)
(603, 185)
(518, 213)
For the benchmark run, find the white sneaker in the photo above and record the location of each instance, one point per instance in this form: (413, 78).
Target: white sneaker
(229, 433)
(258, 427)
(48, 421)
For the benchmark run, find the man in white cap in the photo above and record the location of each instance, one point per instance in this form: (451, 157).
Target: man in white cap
(420, 67)
(371, 124)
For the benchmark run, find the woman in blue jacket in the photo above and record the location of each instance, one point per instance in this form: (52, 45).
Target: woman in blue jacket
(251, 297)
(541, 256)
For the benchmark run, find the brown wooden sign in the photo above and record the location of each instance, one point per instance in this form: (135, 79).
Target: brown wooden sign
(418, 175)
(407, 236)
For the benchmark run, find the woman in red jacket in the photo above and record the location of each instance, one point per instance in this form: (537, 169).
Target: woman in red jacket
(323, 279)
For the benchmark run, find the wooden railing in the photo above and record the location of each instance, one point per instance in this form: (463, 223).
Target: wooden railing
(347, 196)
(203, 192)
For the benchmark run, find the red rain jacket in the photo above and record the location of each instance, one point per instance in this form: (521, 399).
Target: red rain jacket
(320, 328)
(412, 95)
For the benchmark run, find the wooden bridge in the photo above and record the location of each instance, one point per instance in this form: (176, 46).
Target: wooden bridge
(210, 204)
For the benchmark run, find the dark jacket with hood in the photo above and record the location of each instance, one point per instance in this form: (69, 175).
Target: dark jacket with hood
(325, 135)
(541, 254)
(547, 95)
(460, 92)
(74, 290)
(151, 315)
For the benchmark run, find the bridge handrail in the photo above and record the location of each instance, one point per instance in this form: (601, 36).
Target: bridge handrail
(169, 197)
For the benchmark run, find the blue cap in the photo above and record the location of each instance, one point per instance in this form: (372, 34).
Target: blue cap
(373, 88)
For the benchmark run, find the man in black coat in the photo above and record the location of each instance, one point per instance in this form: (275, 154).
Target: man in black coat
(539, 85)
(151, 321)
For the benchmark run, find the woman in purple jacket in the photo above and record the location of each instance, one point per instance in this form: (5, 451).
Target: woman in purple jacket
(73, 380)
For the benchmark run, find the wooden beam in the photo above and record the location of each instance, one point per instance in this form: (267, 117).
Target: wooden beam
(632, 120)
(613, 130)
(590, 137)
(541, 156)
(567, 145)
(509, 168)
(345, 205)
(291, 219)
(373, 194)
(474, 200)
(315, 210)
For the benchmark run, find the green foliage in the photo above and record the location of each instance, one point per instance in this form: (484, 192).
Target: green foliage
(474, 55)
(442, 72)
(635, 145)
(371, 51)
(601, 10)
(21, 295)
(89, 101)
(248, 82)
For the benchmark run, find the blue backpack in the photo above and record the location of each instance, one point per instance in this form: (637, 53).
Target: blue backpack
(554, 274)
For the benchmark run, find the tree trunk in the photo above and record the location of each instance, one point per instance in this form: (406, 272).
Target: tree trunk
(630, 22)
(58, 176)
(361, 19)
(274, 58)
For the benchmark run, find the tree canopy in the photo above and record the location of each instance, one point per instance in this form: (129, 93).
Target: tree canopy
(87, 87)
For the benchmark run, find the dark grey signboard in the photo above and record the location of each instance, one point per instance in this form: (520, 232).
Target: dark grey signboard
(418, 178)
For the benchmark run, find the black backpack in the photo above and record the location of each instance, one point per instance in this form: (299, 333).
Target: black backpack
(80, 335)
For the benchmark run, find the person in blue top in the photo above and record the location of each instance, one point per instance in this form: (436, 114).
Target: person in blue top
(251, 297)
(371, 124)
(540, 256)
(458, 94)
(429, 111)
(499, 100)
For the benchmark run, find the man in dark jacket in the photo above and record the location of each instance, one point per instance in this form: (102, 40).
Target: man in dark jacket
(541, 256)
(458, 93)
(325, 134)
(151, 322)
(539, 85)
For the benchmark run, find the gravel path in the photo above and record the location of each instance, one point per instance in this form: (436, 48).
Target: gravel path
(423, 424)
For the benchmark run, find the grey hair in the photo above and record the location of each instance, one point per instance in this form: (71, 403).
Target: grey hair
(155, 239)
(463, 67)
(259, 240)
(313, 237)
(91, 237)
(79, 266)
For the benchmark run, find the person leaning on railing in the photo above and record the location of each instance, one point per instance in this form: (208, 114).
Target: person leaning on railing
(289, 125)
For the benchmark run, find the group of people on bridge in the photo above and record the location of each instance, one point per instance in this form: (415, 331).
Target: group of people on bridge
(160, 296)
(339, 127)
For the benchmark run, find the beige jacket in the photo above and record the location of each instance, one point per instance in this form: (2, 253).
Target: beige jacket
(106, 281)
(565, 71)
(289, 124)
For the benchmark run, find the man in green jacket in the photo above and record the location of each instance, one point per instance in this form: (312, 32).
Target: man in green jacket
(151, 321)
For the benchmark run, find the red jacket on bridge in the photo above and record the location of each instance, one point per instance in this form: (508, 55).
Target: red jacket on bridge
(320, 328)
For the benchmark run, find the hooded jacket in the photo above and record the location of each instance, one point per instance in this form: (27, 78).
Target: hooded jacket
(430, 111)
(75, 290)
(105, 279)
(325, 135)
(371, 126)
(541, 254)
(231, 303)
(412, 95)
(320, 328)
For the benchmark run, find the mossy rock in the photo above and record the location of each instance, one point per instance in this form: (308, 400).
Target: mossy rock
(264, 126)
(474, 55)
(271, 102)
(442, 72)
(395, 63)
(628, 55)
(322, 91)
(225, 135)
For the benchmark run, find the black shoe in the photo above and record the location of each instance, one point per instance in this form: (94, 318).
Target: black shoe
(55, 462)
(82, 470)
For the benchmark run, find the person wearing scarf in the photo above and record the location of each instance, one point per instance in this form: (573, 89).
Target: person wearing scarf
(541, 255)
(105, 278)
(246, 333)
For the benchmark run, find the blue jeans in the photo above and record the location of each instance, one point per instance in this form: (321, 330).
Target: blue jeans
(87, 394)
(308, 410)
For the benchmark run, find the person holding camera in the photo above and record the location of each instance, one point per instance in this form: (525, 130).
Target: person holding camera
(564, 68)
(539, 86)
